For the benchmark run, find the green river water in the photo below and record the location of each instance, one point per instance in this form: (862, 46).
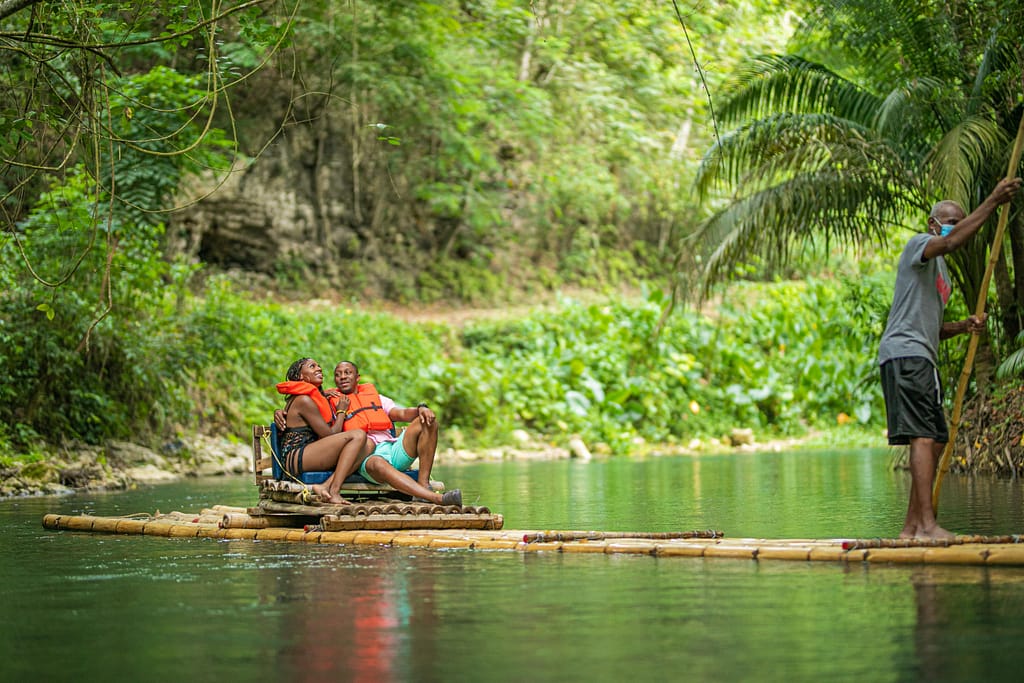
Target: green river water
(92, 607)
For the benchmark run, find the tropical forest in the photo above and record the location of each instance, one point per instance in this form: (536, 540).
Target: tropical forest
(629, 226)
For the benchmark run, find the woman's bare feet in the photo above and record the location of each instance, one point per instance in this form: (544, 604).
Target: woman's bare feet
(325, 495)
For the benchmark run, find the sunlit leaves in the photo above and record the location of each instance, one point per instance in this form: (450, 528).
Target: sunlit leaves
(906, 105)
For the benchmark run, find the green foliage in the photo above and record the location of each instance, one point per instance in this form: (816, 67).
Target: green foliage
(778, 358)
(87, 290)
(1013, 365)
(103, 85)
(879, 110)
(554, 134)
(161, 137)
(469, 281)
(781, 358)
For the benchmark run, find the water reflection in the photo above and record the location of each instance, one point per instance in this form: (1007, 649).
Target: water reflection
(127, 608)
(960, 613)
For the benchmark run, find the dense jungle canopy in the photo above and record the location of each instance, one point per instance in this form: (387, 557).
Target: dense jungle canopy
(181, 179)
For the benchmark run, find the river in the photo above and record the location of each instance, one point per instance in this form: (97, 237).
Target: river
(89, 607)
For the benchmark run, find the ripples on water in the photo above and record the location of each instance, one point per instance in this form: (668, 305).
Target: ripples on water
(84, 606)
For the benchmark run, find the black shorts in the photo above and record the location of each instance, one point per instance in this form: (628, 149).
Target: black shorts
(913, 401)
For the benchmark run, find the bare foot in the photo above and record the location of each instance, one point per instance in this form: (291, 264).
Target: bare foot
(324, 494)
(935, 532)
(908, 531)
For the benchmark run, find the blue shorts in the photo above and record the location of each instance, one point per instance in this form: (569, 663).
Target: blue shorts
(393, 452)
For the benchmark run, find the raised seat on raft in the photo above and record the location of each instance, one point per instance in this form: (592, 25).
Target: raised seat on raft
(267, 466)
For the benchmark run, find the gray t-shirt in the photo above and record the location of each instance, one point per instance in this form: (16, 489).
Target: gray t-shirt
(919, 301)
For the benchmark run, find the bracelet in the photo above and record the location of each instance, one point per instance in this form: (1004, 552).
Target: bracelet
(423, 405)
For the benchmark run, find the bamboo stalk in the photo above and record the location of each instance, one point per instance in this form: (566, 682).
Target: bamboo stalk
(1000, 550)
(554, 536)
(390, 522)
(293, 508)
(979, 310)
(234, 520)
(866, 543)
(359, 509)
(298, 498)
(221, 510)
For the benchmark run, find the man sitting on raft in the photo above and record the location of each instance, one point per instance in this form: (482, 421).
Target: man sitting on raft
(361, 408)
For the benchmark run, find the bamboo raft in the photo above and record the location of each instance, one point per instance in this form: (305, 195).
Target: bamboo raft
(223, 522)
(286, 511)
(288, 505)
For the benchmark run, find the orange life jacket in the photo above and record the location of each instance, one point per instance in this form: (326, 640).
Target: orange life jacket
(313, 391)
(364, 410)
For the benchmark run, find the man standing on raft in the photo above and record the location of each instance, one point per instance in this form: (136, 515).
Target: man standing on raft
(908, 351)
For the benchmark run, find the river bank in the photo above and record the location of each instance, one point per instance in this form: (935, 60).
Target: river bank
(988, 442)
(121, 465)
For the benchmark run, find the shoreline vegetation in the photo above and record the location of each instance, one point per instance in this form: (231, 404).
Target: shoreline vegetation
(784, 365)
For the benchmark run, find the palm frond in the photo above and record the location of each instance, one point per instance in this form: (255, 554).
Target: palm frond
(774, 83)
(920, 107)
(1013, 366)
(912, 109)
(1001, 53)
(896, 37)
(833, 204)
(782, 143)
(961, 157)
(765, 152)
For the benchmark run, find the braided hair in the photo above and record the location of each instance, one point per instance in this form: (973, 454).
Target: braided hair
(295, 370)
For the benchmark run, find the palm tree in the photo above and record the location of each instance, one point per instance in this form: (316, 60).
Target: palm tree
(923, 105)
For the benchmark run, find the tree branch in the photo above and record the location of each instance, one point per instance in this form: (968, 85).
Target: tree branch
(9, 7)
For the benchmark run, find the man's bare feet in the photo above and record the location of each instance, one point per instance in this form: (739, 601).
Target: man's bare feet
(934, 532)
(908, 532)
(324, 494)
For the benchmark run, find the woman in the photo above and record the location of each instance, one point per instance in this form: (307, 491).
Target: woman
(308, 442)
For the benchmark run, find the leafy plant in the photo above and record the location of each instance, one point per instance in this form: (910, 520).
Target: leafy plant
(1013, 364)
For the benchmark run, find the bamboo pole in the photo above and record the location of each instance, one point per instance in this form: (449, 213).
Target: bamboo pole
(979, 310)
(563, 536)
(865, 543)
(236, 520)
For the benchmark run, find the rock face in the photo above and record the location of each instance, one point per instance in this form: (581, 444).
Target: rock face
(120, 465)
(296, 210)
(230, 231)
(251, 222)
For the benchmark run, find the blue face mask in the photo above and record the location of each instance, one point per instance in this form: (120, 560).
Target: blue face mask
(944, 228)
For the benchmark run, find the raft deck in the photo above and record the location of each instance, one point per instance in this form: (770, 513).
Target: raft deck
(215, 523)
